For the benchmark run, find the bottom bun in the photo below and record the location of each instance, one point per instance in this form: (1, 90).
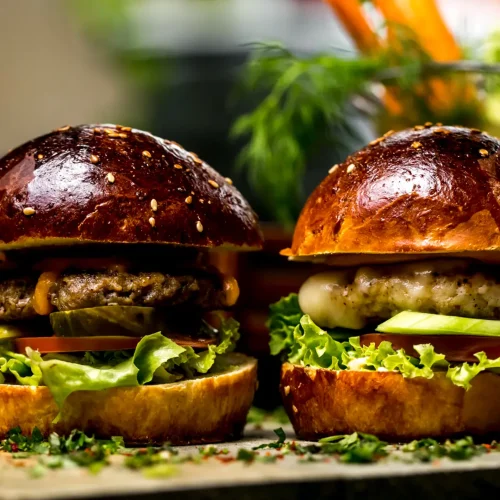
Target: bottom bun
(207, 409)
(323, 403)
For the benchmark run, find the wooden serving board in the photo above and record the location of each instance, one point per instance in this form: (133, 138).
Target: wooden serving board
(287, 478)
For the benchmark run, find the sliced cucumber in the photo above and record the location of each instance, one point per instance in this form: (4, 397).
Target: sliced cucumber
(408, 322)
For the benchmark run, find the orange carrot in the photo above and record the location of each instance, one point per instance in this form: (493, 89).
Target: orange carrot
(424, 19)
(354, 21)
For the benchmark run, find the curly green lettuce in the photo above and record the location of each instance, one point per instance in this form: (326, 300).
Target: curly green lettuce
(156, 359)
(299, 340)
(19, 366)
(284, 317)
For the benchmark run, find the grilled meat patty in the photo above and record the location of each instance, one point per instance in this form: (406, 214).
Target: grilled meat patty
(155, 289)
(77, 290)
(16, 298)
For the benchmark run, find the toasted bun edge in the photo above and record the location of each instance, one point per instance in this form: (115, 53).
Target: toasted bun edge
(324, 402)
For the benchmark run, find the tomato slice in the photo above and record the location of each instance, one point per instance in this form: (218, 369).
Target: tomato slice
(184, 341)
(456, 348)
(81, 344)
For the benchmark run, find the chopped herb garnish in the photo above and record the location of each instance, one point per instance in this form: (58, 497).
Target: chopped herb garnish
(354, 448)
(160, 471)
(75, 450)
(250, 456)
(16, 441)
(79, 450)
(275, 444)
(267, 459)
(208, 451)
(246, 455)
(427, 450)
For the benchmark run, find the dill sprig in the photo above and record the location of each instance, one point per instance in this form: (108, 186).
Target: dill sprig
(306, 104)
(306, 97)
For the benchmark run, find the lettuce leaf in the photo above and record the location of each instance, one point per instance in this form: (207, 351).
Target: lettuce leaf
(313, 346)
(21, 367)
(411, 367)
(463, 374)
(151, 353)
(284, 317)
(64, 377)
(156, 359)
(303, 342)
(190, 362)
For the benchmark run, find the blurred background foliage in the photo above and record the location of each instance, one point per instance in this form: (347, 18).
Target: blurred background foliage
(410, 70)
(271, 92)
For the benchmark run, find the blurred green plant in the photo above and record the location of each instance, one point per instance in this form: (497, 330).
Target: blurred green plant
(306, 100)
(491, 54)
(108, 24)
(305, 97)
(103, 19)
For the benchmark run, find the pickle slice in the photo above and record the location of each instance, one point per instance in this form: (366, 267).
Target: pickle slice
(408, 322)
(130, 321)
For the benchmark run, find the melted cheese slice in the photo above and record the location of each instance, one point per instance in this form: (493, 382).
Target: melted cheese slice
(232, 290)
(41, 301)
(323, 297)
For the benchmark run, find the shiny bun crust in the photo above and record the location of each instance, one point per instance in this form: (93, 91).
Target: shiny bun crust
(323, 403)
(107, 183)
(205, 410)
(422, 190)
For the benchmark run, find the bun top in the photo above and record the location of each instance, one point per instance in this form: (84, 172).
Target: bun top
(410, 194)
(114, 184)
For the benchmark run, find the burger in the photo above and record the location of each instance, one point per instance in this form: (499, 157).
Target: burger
(398, 332)
(112, 317)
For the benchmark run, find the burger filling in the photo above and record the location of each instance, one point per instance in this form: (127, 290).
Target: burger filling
(78, 290)
(441, 316)
(90, 324)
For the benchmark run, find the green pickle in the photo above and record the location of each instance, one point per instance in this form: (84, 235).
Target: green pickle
(130, 321)
(408, 322)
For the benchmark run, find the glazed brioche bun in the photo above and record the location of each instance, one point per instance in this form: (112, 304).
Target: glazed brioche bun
(324, 403)
(207, 409)
(417, 193)
(113, 184)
